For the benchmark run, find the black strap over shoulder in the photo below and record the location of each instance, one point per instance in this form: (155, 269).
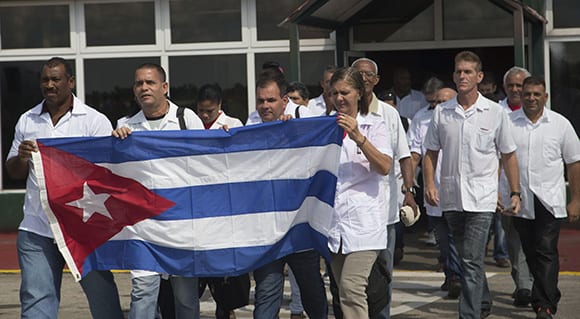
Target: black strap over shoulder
(181, 118)
(297, 112)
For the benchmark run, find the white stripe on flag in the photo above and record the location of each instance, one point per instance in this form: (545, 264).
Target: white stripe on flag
(245, 230)
(298, 163)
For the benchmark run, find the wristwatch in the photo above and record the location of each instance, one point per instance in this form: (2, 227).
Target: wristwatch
(518, 194)
(411, 190)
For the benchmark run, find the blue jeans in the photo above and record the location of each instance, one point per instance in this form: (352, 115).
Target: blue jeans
(521, 273)
(41, 267)
(447, 249)
(270, 285)
(386, 257)
(500, 248)
(470, 230)
(145, 290)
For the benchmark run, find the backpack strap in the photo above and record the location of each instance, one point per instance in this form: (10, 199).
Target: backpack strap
(297, 112)
(181, 118)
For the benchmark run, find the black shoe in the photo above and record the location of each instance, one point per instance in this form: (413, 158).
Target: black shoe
(398, 256)
(523, 298)
(454, 288)
(445, 285)
(543, 313)
(485, 313)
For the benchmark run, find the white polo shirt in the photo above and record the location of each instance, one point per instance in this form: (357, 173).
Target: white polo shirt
(543, 148)
(254, 117)
(416, 136)
(359, 221)
(410, 104)
(224, 119)
(139, 122)
(398, 138)
(82, 120)
(469, 140)
(317, 105)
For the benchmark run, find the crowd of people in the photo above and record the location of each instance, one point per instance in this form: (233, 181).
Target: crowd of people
(482, 163)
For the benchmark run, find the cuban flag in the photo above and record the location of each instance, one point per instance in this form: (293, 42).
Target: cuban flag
(192, 202)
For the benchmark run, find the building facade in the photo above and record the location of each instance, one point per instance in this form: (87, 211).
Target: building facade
(227, 41)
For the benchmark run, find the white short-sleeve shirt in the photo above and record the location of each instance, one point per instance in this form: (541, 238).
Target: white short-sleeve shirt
(224, 119)
(317, 105)
(416, 136)
(139, 122)
(411, 103)
(359, 221)
(543, 148)
(470, 141)
(400, 146)
(82, 120)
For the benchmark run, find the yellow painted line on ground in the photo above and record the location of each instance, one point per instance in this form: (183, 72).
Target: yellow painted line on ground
(17, 271)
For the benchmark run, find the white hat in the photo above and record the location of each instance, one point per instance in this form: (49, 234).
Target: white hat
(408, 217)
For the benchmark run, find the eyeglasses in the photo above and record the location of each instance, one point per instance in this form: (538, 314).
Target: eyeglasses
(368, 74)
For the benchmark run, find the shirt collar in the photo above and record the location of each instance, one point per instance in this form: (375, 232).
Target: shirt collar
(374, 105)
(521, 115)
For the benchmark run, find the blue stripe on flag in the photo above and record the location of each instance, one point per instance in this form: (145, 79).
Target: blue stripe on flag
(141, 146)
(135, 254)
(249, 197)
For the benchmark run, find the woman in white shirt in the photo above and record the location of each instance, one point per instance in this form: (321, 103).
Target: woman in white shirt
(359, 228)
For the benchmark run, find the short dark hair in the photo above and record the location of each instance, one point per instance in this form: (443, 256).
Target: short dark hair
(469, 56)
(488, 78)
(387, 95)
(273, 65)
(209, 92)
(55, 61)
(353, 78)
(155, 66)
(534, 80)
(300, 87)
(269, 76)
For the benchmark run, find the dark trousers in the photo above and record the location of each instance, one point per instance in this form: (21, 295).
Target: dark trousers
(270, 285)
(539, 239)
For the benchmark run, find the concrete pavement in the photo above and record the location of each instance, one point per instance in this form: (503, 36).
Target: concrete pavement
(416, 285)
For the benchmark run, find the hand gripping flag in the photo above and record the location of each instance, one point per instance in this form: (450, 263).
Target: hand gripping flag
(192, 202)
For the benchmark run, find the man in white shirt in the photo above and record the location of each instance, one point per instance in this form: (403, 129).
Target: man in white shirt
(470, 130)
(545, 141)
(157, 114)
(271, 105)
(513, 81)
(417, 132)
(60, 114)
(409, 101)
(401, 177)
(321, 105)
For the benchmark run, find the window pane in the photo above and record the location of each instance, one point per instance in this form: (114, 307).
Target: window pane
(395, 21)
(312, 64)
(270, 13)
(205, 21)
(188, 73)
(566, 13)
(109, 85)
(19, 92)
(35, 27)
(120, 23)
(565, 80)
(472, 19)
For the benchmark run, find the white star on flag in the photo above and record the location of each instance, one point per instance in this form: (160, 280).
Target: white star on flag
(91, 203)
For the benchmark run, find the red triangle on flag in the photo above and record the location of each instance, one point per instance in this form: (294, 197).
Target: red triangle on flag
(65, 176)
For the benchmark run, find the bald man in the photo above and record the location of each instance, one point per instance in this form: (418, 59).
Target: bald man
(448, 256)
